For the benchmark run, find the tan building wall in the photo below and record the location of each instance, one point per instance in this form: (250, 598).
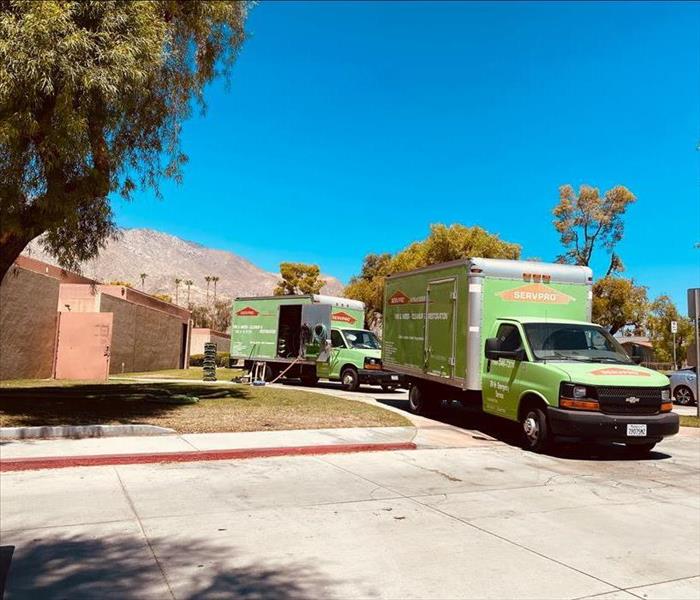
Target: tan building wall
(28, 318)
(143, 339)
(201, 335)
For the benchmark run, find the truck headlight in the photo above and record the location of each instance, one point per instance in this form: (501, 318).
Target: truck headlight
(666, 395)
(373, 363)
(580, 391)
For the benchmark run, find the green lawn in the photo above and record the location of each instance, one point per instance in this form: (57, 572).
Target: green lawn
(193, 373)
(690, 421)
(220, 407)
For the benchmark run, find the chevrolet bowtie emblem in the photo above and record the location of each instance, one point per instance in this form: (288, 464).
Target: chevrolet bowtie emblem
(632, 400)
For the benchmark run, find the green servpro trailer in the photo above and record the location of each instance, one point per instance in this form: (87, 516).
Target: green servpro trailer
(516, 338)
(307, 337)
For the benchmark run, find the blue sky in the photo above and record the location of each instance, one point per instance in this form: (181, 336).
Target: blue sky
(350, 128)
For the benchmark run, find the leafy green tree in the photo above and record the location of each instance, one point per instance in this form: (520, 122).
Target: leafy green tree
(442, 244)
(298, 278)
(93, 94)
(586, 221)
(212, 316)
(661, 312)
(619, 303)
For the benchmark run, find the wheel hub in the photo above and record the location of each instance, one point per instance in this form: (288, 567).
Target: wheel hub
(531, 427)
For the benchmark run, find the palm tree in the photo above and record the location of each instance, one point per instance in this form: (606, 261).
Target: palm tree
(215, 279)
(143, 280)
(188, 283)
(177, 290)
(208, 280)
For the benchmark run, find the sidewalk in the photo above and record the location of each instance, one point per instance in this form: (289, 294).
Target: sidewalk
(39, 454)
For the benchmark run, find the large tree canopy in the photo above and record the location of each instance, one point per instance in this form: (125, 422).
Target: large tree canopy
(93, 94)
(298, 278)
(442, 245)
(587, 220)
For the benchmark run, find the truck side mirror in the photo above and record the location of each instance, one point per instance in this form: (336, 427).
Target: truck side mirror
(494, 351)
(493, 348)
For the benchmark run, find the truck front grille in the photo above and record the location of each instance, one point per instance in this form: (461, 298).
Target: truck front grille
(617, 400)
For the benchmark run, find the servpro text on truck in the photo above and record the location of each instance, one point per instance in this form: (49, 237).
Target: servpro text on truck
(517, 337)
(308, 337)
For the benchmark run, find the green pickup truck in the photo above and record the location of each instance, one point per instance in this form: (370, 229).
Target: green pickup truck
(309, 337)
(516, 338)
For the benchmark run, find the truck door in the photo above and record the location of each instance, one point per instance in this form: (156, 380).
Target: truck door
(439, 348)
(500, 384)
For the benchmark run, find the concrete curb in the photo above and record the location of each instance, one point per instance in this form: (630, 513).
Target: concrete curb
(80, 431)
(61, 462)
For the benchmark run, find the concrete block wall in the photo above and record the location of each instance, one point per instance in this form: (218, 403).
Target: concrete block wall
(28, 317)
(143, 339)
(201, 335)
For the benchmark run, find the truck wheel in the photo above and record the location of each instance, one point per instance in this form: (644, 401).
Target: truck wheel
(350, 379)
(269, 374)
(535, 430)
(310, 380)
(419, 404)
(640, 449)
(684, 395)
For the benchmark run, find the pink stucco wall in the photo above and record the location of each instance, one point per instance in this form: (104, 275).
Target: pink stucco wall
(201, 335)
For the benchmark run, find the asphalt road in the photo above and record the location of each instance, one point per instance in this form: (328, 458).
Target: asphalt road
(490, 521)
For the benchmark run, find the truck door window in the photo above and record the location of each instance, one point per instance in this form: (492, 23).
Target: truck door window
(509, 337)
(337, 339)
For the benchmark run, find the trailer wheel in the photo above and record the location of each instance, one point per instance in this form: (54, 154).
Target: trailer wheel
(419, 403)
(350, 379)
(535, 430)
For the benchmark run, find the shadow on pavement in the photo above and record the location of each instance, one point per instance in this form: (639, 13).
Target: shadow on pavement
(85, 567)
(471, 418)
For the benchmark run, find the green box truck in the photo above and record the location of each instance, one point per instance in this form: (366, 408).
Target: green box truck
(516, 337)
(308, 337)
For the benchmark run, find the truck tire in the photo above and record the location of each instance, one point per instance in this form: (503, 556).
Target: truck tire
(270, 374)
(419, 403)
(535, 430)
(350, 379)
(309, 380)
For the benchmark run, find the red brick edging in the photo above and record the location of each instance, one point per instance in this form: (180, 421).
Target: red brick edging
(61, 462)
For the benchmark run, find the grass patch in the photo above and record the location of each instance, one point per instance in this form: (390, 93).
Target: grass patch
(193, 374)
(220, 408)
(690, 421)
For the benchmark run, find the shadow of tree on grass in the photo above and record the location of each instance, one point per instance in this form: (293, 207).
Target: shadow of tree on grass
(98, 404)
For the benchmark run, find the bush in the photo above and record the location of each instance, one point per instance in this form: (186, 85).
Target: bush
(197, 360)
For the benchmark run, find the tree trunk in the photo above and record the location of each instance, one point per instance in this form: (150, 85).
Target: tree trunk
(11, 246)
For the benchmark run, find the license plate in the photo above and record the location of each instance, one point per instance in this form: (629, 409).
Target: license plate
(636, 430)
(394, 377)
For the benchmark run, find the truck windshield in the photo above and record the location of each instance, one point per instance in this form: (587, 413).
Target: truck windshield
(361, 339)
(562, 341)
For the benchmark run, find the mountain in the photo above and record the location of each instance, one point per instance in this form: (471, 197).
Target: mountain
(164, 257)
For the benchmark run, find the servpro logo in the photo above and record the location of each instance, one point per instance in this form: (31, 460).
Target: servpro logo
(247, 312)
(398, 297)
(343, 317)
(536, 292)
(613, 371)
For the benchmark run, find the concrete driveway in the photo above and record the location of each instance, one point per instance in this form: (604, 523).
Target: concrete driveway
(489, 521)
